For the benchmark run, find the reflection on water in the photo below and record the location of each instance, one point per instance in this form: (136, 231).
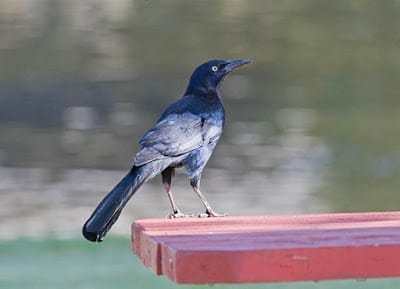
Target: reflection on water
(246, 176)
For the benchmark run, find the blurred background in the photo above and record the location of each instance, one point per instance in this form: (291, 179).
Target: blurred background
(312, 124)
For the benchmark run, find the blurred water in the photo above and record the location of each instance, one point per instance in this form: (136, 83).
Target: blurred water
(312, 124)
(247, 176)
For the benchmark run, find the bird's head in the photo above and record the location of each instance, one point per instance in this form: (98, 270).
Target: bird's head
(209, 75)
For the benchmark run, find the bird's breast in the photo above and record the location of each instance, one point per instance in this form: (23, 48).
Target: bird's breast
(211, 131)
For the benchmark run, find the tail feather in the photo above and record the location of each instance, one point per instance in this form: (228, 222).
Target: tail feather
(109, 209)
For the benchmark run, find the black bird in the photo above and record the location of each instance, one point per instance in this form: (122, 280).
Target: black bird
(185, 135)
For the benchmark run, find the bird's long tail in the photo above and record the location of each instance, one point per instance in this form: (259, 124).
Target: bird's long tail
(109, 209)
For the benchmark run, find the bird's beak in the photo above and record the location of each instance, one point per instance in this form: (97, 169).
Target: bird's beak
(232, 65)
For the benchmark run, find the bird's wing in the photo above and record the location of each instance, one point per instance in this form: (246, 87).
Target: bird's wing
(175, 135)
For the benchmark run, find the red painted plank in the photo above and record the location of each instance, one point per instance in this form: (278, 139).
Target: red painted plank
(271, 248)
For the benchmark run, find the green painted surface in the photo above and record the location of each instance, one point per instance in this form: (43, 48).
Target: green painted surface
(75, 263)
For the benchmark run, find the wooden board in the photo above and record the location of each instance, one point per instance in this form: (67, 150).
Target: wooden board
(270, 248)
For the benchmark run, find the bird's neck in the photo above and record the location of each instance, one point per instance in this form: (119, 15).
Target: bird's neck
(202, 87)
(206, 92)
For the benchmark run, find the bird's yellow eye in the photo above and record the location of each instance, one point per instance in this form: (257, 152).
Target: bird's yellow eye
(214, 68)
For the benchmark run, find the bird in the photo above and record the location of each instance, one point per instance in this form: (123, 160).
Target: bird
(184, 136)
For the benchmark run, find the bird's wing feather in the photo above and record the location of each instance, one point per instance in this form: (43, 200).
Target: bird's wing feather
(175, 135)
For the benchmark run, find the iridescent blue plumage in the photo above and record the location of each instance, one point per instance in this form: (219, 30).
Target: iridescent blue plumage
(185, 135)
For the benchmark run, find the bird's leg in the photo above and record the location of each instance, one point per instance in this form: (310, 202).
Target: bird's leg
(166, 180)
(195, 183)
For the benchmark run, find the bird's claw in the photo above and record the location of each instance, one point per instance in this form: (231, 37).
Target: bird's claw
(175, 215)
(209, 214)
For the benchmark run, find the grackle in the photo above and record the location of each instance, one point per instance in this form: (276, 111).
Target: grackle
(185, 135)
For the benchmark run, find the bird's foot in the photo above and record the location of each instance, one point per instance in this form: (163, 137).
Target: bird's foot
(211, 213)
(179, 214)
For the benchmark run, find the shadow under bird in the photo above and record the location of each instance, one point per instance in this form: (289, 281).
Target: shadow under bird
(185, 136)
